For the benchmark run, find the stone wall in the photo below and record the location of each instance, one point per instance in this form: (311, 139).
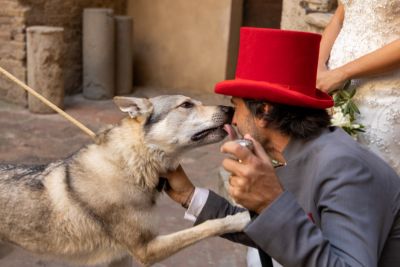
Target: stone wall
(13, 48)
(307, 15)
(17, 15)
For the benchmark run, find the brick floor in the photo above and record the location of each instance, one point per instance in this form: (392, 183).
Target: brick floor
(27, 138)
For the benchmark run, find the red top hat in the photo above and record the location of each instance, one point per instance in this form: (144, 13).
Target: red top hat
(278, 66)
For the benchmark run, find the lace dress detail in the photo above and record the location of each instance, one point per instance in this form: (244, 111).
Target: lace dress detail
(369, 25)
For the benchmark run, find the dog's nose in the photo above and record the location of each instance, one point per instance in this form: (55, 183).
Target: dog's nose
(228, 111)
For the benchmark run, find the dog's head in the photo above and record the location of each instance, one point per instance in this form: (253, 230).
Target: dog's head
(176, 123)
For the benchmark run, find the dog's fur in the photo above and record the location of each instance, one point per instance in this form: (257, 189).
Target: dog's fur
(96, 205)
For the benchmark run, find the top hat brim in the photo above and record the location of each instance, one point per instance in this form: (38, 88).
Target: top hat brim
(274, 93)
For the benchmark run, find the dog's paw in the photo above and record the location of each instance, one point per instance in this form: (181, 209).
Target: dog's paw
(237, 222)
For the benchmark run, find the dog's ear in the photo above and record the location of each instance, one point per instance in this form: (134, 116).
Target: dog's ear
(135, 107)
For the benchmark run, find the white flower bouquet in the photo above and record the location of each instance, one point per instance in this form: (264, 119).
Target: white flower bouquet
(345, 111)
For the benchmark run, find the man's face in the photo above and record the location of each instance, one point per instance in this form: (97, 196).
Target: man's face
(244, 120)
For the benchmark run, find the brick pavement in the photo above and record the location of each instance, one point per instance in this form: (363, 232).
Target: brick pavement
(26, 138)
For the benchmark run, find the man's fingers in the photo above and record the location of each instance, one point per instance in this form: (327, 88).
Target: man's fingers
(234, 166)
(238, 151)
(236, 193)
(259, 151)
(177, 175)
(238, 181)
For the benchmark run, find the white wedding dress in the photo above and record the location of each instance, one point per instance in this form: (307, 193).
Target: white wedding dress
(369, 25)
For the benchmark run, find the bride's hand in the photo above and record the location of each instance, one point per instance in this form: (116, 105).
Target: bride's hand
(331, 80)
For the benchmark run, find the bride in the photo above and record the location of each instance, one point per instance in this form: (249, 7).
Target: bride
(362, 44)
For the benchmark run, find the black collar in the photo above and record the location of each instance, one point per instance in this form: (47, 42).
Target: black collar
(162, 184)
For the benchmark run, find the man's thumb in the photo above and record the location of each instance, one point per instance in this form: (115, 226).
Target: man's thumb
(259, 151)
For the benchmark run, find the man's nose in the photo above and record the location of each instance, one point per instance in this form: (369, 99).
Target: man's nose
(228, 111)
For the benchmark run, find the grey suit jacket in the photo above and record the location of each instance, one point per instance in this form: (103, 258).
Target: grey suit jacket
(340, 207)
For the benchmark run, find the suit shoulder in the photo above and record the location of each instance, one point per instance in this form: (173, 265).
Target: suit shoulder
(339, 155)
(339, 146)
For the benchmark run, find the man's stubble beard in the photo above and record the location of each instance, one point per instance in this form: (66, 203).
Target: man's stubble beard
(259, 135)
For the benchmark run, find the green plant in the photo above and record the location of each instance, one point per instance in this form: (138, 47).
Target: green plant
(345, 111)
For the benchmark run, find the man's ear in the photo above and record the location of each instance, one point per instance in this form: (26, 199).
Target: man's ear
(260, 121)
(135, 107)
(267, 108)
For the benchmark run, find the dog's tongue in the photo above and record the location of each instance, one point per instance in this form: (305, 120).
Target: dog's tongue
(231, 132)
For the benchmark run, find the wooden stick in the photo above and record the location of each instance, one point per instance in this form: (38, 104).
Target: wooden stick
(48, 103)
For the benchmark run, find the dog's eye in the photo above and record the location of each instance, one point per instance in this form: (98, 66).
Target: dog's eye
(186, 104)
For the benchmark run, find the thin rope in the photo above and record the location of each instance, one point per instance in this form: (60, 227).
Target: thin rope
(48, 103)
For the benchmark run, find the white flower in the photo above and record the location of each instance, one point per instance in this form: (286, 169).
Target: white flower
(339, 119)
(345, 112)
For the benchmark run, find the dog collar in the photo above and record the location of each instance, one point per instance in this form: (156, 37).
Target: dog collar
(162, 184)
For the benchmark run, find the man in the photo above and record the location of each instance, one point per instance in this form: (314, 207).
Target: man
(330, 202)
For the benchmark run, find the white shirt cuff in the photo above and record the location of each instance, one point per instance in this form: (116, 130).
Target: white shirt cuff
(197, 203)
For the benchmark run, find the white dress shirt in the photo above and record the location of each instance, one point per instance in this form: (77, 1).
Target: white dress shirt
(197, 203)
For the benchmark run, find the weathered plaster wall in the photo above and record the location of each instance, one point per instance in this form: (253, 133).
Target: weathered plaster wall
(184, 43)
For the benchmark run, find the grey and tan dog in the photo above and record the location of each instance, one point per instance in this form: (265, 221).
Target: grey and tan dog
(97, 205)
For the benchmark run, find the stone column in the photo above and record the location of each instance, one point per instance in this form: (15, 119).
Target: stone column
(45, 47)
(123, 55)
(98, 53)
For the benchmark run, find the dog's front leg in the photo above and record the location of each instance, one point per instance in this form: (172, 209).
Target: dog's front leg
(164, 246)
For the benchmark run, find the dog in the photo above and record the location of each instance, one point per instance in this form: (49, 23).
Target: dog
(96, 205)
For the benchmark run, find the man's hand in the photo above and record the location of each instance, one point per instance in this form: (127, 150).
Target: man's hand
(253, 183)
(180, 187)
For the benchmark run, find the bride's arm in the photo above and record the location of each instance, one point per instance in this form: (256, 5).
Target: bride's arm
(329, 36)
(382, 60)
(379, 61)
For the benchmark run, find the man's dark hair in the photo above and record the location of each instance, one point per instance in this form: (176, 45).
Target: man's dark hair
(297, 122)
